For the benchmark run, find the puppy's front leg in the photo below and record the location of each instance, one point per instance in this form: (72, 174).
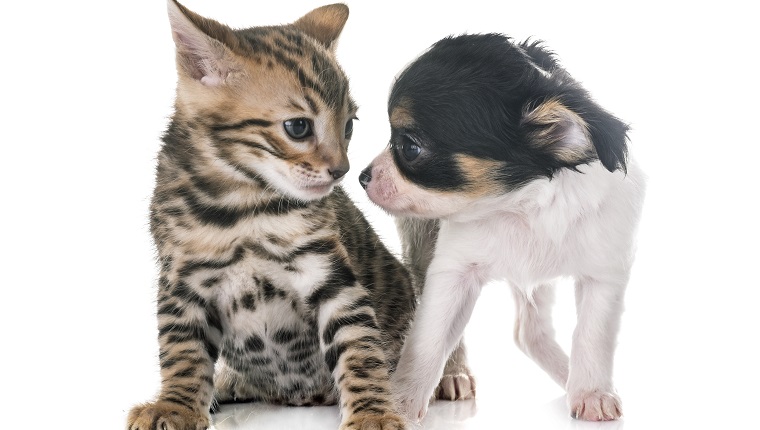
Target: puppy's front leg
(590, 392)
(418, 238)
(448, 298)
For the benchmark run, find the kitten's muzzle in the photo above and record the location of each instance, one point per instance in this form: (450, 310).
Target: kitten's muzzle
(365, 176)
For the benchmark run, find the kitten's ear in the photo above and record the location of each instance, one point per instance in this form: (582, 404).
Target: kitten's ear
(324, 23)
(575, 136)
(203, 45)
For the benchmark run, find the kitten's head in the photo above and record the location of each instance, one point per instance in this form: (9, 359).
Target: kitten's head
(268, 105)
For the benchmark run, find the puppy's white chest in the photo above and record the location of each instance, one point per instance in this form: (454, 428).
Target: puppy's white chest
(528, 253)
(510, 247)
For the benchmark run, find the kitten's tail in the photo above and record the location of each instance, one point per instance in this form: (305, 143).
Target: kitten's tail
(418, 238)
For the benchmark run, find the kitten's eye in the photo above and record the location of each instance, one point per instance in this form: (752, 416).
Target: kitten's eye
(349, 128)
(298, 128)
(410, 150)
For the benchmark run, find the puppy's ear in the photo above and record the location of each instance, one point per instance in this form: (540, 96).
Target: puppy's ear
(571, 138)
(552, 128)
(609, 136)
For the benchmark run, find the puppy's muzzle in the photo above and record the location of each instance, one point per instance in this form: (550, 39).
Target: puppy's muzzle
(365, 176)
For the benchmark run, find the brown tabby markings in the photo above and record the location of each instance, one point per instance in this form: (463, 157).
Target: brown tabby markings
(273, 286)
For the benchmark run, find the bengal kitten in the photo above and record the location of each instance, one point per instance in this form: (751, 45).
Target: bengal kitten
(267, 269)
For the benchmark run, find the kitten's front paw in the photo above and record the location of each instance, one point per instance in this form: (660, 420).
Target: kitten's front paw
(165, 416)
(460, 386)
(360, 421)
(595, 405)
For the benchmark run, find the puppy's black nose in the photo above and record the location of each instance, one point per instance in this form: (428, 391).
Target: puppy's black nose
(365, 177)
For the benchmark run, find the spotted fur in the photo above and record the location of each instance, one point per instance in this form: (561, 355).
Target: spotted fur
(273, 287)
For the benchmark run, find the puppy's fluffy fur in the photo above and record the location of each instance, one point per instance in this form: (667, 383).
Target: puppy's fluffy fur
(530, 180)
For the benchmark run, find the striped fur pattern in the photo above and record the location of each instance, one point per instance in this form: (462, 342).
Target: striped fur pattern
(273, 287)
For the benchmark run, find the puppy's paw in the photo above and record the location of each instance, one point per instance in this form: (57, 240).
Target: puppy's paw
(459, 386)
(595, 405)
(412, 408)
(165, 416)
(412, 401)
(387, 421)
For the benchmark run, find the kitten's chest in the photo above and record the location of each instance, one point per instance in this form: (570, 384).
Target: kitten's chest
(274, 232)
(261, 269)
(270, 283)
(262, 310)
(256, 276)
(270, 331)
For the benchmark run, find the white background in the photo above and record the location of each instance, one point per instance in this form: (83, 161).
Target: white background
(87, 88)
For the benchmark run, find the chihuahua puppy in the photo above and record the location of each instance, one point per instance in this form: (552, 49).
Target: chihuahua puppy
(527, 179)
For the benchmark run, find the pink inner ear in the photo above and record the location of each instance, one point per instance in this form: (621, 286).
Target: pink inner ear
(559, 130)
(573, 135)
(199, 55)
(211, 81)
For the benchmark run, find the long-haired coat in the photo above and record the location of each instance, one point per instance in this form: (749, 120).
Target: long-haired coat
(530, 181)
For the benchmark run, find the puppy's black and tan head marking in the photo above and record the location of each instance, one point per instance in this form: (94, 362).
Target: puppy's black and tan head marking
(478, 115)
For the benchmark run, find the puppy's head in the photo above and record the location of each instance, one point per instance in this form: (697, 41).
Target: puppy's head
(478, 116)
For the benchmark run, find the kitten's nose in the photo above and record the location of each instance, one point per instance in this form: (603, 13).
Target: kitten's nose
(337, 173)
(339, 170)
(365, 176)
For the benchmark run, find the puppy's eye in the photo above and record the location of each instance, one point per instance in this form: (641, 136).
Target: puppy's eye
(349, 128)
(298, 128)
(410, 150)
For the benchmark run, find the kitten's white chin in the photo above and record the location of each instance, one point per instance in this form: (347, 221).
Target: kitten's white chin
(317, 192)
(299, 189)
(312, 192)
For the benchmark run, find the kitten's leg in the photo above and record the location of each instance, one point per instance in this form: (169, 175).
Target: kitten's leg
(457, 382)
(351, 340)
(189, 337)
(590, 391)
(450, 293)
(534, 333)
(418, 238)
